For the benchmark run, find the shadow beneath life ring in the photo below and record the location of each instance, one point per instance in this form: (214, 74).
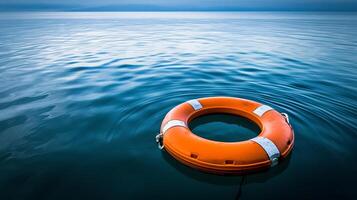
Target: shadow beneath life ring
(216, 179)
(228, 180)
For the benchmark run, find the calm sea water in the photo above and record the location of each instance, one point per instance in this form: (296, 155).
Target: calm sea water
(83, 94)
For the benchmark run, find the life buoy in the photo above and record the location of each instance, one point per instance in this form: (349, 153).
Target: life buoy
(274, 142)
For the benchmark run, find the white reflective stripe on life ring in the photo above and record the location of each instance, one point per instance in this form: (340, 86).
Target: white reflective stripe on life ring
(195, 104)
(269, 147)
(171, 124)
(262, 109)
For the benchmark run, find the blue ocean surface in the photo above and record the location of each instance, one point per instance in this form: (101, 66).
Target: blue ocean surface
(82, 96)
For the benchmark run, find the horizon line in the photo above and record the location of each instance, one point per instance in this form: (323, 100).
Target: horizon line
(154, 8)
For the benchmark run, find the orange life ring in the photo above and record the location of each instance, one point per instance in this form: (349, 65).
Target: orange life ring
(274, 142)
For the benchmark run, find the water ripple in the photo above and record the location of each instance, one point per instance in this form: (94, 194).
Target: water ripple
(79, 94)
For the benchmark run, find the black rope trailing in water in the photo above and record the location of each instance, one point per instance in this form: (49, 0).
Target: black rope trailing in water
(242, 182)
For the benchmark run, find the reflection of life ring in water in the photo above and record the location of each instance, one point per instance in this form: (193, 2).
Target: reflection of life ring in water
(274, 142)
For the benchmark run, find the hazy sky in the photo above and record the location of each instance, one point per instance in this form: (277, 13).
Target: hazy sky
(283, 5)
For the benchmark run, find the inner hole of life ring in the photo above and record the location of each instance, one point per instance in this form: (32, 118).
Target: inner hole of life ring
(224, 127)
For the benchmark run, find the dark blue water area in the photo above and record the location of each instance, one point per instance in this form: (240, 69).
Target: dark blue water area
(82, 96)
(224, 127)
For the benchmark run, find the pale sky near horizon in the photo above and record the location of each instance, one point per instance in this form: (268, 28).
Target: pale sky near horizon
(187, 4)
